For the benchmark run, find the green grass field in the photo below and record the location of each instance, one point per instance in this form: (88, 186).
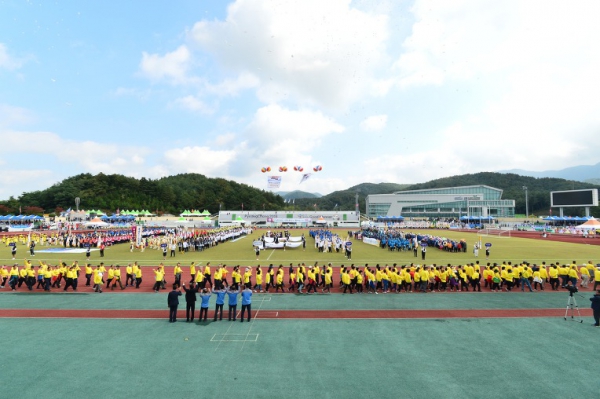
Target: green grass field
(241, 252)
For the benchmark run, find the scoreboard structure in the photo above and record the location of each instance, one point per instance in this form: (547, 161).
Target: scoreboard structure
(574, 198)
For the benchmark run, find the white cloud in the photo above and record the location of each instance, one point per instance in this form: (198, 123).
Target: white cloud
(90, 156)
(198, 159)
(8, 61)
(536, 64)
(173, 66)
(374, 123)
(11, 115)
(193, 103)
(313, 52)
(14, 182)
(231, 87)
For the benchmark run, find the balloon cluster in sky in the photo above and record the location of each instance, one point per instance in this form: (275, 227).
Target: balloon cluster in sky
(297, 168)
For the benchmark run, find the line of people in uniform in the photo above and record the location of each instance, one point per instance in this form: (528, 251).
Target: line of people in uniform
(301, 278)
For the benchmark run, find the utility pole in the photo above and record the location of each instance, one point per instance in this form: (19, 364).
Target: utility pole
(526, 202)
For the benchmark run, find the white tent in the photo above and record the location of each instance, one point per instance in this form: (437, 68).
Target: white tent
(590, 224)
(96, 222)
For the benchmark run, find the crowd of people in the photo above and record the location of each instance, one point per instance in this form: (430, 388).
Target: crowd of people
(302, 278)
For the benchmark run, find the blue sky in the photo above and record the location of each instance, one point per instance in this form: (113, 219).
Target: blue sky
(374, 91)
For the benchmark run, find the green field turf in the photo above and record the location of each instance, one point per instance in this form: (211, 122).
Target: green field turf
(241, 252)
(452, 358)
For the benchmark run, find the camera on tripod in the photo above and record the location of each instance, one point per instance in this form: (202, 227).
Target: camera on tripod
(572, 289)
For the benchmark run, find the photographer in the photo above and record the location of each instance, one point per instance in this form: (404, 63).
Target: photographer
(596, 308)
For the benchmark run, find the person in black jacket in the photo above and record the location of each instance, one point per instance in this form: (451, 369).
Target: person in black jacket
(596, 308)
(173, 302)
(190, 301)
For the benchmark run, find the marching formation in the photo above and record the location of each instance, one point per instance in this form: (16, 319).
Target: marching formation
(301, 278)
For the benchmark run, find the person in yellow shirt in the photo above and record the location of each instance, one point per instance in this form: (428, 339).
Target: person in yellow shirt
(192, 272)
(14, 277)
(70, 277)
(312, 284)
(129, 275)
(475, 279)
(585, 275)
(218, 278)
(177, 270)
(110, 275)
(224, 273)
(327, 281)
(596, 279)
(159, 278)
(47, 278)
(496, 280)
(423, 278)
(279, 280)
(359, 282)
(138, 275)
(563, 274)
(207, 278)
(553, 276)
(292, 286)
(300, 279)
(537, 278)
(88, 274)
(22, 277)
(134, 272)
(259, 279)
(117, 278)
(346, 282)
(97, 279)
(4, 276)
(573, 276)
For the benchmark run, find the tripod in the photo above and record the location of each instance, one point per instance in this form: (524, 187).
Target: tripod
(570, 303)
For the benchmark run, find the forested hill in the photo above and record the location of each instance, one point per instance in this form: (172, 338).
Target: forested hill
(538, 189)
(174, 194)
(171, 194)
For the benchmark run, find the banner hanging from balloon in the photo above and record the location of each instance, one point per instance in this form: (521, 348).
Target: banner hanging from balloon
(274, 181)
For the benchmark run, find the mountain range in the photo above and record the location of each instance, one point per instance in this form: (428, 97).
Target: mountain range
(583, 173)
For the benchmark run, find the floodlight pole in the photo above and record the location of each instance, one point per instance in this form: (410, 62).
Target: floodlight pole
(526, 202)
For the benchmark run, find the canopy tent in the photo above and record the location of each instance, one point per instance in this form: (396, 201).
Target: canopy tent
(566, 218)
(20, 218)
(390, 218)
(592, 223)
(477, 218)
(194, 213)
(97, 222)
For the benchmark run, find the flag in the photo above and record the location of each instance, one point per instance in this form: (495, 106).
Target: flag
(305, 177)
(273, 181)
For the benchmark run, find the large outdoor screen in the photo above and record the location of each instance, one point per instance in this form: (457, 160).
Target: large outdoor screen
(588, 197)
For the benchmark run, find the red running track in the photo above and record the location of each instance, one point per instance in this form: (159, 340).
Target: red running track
(296, 314)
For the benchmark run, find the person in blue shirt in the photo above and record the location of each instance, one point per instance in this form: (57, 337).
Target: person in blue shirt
(220, 302)
(232, 295)
(204, 297)
(246, 302)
